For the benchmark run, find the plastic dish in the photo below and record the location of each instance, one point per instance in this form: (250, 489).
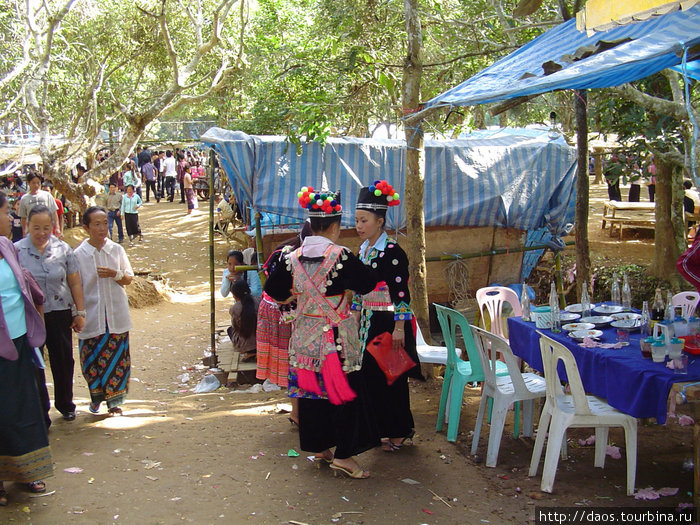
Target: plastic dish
(690, 346)
(607, 309)
(631, 324)
(576, 308)
(580, 334)
(626, 316)
(566, 317)
(598, 320)
(572, 327)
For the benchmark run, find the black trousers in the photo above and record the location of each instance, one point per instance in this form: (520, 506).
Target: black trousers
(170, 188)
(151, 185)
(59, 343)
(634, 193)
(132, 224)
(349, 427)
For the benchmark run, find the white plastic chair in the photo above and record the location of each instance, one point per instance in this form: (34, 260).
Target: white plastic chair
(436, 355)
(493, 298)
(688, 301)
(562, 411)
(504, 391)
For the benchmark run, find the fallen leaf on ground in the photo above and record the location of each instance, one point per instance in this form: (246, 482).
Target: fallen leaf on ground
(73, 470)
(647, 494)
(668, 491)
(613, 452)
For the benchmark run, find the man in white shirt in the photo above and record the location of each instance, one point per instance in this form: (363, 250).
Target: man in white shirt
(170, 174)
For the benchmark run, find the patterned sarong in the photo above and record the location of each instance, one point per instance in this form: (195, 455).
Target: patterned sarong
(106, 367)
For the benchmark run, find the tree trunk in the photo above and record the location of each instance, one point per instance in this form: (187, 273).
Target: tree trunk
(415, 219)
(583, 258)
(667, 249)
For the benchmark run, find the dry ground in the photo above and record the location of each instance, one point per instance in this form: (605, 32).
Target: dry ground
(222, 457)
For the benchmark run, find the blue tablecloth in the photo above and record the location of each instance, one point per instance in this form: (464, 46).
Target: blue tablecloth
(634, 385)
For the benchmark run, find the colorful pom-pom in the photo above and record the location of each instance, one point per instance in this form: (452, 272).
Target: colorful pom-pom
(378, 193)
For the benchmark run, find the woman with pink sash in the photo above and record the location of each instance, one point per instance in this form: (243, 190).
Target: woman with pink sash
(325, 352)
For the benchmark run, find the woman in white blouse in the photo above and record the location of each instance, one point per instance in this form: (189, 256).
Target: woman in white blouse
(104, 341)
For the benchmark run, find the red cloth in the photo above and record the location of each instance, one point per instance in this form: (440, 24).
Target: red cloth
(688, 264)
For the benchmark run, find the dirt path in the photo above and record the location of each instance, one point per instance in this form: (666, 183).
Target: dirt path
(223, 457)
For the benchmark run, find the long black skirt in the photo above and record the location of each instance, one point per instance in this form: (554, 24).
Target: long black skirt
(350, 428)
(391, 405)
(24, 444)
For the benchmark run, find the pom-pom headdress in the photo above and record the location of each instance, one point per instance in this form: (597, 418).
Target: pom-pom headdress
(377, 197)
(320, 203)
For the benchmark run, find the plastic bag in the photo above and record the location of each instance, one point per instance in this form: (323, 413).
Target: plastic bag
(392, 362)
(209, 383)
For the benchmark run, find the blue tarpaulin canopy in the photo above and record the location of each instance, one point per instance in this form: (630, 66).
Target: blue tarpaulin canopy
(576, 60)
(508, 180)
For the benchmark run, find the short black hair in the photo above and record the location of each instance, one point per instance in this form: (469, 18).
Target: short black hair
(321, 224)
(687, 184)
(88, 213)
(38, 210)
(33, 175)
(235, 253)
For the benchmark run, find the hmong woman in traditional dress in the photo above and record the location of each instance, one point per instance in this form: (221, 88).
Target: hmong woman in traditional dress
(25, 455)
(273, 330)
(325, 352)
(386, 309)
(104, 342)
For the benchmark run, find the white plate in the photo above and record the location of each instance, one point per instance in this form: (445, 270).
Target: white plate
(565, 317)
(632, 324)
(598, 320)
(607, 309)
(626, 316)
(572, 327)
(580, 334)
(576, 308)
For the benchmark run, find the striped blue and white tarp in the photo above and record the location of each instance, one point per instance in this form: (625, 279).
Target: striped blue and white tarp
(512, 181)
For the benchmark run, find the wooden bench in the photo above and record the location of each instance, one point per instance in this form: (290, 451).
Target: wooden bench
(230, 361)
(610, 209)
(633, 222)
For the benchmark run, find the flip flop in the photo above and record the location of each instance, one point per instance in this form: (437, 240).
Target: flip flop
(115, 411)
(94, 408)
(360, 473)
(36, 487)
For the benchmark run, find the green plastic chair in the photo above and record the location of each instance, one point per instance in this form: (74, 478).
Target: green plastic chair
(457, 371)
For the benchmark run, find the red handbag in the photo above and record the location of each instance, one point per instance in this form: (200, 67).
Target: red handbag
(392, 362)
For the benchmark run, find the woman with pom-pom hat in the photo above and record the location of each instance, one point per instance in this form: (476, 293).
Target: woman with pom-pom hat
(325, 353)
(387, 308)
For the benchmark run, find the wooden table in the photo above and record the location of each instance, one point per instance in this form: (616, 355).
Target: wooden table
(637, 214)
(691, 395)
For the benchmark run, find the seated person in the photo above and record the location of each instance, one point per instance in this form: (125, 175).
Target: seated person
(251, 277)
(244, 320)
(224, 213)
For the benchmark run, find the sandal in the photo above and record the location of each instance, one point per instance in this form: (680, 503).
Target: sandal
(318, 460)
(390, 446)
(3, 498)
(115, 411)
(360, 473)
(36, 487)
(94, 408)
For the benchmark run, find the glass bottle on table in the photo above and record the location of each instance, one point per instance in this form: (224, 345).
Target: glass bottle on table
(585, 301)
(645, 321)
(626, 293)
(668, 313)
(525, 303)
(615, 296)
(554, 309)
(657, 307)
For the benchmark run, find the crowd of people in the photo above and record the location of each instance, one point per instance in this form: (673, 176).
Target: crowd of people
(47, 292)
(325, 322)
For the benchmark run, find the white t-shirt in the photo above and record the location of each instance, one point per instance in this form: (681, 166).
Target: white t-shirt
(170, 167)
(104, 297)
